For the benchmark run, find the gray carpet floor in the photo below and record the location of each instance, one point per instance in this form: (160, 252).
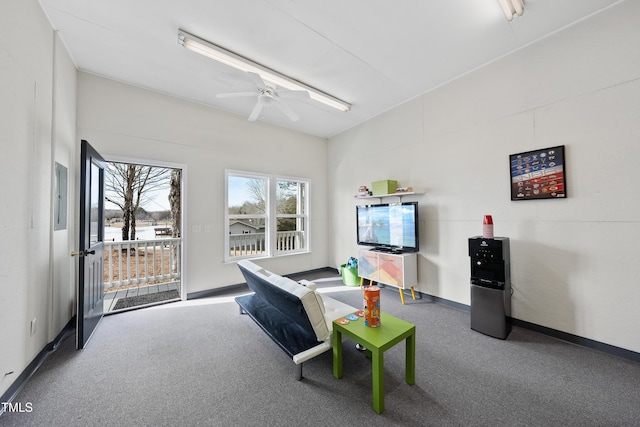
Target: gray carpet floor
(201, 363)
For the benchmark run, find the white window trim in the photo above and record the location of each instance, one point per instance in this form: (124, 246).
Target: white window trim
(271, 215)
(306, 215)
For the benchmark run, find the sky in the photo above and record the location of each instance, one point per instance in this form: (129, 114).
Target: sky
(159, 201)
(238, 190)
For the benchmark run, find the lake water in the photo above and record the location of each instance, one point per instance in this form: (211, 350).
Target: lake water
(114, 234)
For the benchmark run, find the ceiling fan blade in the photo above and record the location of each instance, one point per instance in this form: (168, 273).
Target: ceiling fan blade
(299, 94)
(256, 112)
(287, 111)
(257, 80)
(235, 94)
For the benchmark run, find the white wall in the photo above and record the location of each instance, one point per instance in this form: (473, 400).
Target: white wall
(37, 113)
(573, 260)
(66, 151)
(122, 121)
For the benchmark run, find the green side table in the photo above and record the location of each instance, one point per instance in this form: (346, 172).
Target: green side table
(377, 340)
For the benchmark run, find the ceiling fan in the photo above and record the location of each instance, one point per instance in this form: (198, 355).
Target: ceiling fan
(267, 96)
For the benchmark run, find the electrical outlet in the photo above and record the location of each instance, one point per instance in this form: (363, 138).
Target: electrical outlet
(196, 229)
(207, 229)
(33, 326)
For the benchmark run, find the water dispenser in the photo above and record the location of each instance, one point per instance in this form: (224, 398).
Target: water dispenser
(490, 286)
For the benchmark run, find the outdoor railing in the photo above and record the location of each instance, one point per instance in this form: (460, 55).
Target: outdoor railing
(141, 262)
(147, 262)
(289, 240)
(255, 243)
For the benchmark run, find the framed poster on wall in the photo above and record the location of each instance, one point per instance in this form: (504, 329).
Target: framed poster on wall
(538, 174)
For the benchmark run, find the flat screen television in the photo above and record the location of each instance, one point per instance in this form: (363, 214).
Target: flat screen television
(388, 227)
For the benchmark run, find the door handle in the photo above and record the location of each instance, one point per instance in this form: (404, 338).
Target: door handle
(82, 253)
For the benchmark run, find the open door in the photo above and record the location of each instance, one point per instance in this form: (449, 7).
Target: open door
(91, 247)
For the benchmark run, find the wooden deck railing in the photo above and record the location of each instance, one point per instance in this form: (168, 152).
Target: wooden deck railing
(141, 262)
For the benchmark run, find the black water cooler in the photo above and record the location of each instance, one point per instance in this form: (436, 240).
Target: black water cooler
(490, 286)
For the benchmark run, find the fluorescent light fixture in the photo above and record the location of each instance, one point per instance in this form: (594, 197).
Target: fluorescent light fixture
(511, 8)
(220, 54)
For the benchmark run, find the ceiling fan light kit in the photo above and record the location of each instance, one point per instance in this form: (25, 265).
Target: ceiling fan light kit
(227, 57)
(512, 8)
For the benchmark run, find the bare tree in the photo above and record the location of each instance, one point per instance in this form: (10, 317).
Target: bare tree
(176, 213)
(258, 189)
(127, 186)
(286, 203)
(174, 201)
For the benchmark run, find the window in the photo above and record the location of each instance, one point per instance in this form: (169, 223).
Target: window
(291, 215)
(265, 215)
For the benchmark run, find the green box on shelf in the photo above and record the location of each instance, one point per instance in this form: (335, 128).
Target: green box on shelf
(384, 187)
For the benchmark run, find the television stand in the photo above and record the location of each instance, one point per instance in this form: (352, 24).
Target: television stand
(399, 270)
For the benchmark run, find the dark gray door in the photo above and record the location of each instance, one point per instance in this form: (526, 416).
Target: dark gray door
(91, 248)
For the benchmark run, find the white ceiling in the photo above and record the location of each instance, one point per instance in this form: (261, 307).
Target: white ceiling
(374, 54)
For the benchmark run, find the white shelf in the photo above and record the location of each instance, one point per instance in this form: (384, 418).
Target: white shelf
(382, 196)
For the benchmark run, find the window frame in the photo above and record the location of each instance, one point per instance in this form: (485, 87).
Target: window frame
(302, 205)
(270, 216)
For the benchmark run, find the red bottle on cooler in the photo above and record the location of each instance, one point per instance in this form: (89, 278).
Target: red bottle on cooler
(487, 227)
